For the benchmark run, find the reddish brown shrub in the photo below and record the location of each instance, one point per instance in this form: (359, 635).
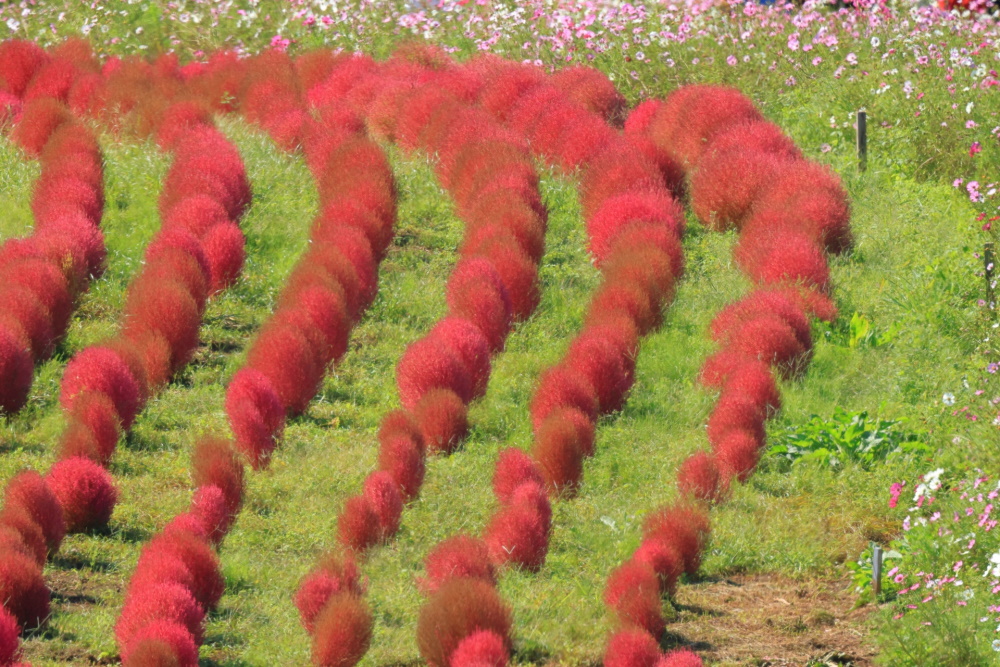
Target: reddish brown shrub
(23, 590)
(214, 462)
(160, 602)
(625, 298)
(815, 199)
(224, 250)
(685, 527)
(85, 492)
(786, 304)
(383, 497)
(9, 637)
(358, 524)
(483, 648)
(458, 556)
(770, 340)
(16, 368)
(165, 308)
(467, 341)
(256, 415)
(403, 458)
(632, 647)
(559, 455)
(680, 658)
(47, 283)
(604, 367)
(738, 453)
(563, 387)
(518, 275)
(633, 593)
(161, 643)
(476, 292)
(783, 257)
(343, 631)
(514, 467)
(625, 210)
(29, 491)
(40, 118)
(699, 477)
(641, 116)
(517, 535)
(664, 559)
(426, 365)
(196, 554)
(590, 88)
(621, 168)
(334, 573)
(460, 607)
(733, 412)
(754, 380)
(20, 59)
(209, 509)
(728, 183)
(284, 355)
(23, 533)
(443, 420)
(23, 310)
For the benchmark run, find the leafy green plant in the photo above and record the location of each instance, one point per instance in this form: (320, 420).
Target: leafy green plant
(847, 437)
(862, 333)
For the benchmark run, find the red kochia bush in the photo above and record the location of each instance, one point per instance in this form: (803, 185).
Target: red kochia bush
(16, 368)
(754, 380)
(209, 510)
(334, 573)
(102, 370)
(735, 413)
(39, 120)
(256, 415)
(460, 607)
(769, 339)
(633, 593)
(161, 643)
(513, 468)
(443, 420)
(427, 365)
(383, 497)
(159, 602)
(727, 184)
(166, 308)
(483, 648)
(22, 533)
(214, 462)
(680, 658)
(470, 345)
(559, 453)
(401, 452)
(224, 250)
(563, 387)
(621, 168)
(518, 275)
(632, 647)
(47, 283)
(592, 89)
(783, 303)
(783, 257)
(343, 631)
(23, 590)
(685, 527)
(28, 490)
(517, 535)
(738, 453)
(458, 556)
(197, 214)
(476, 292)
(358, 524)
(20, 59)
(85, 492)
(291, 364)
(609, 372)
(23, 309)
(9, 633)
(620, 212)
(664, 559)
(199, 559)
(699, 477)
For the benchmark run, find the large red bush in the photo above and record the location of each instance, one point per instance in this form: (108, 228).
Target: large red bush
(460, 607)
(342, 632)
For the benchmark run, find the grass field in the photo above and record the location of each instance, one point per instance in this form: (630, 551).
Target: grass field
(912, 271)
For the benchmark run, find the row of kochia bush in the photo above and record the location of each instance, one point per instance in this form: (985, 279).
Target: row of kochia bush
(197, 252)
(741, 172)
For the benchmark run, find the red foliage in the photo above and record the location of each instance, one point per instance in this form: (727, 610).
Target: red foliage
(628, 209)
(343, 631)
(699, 477)
(601, 362)
(469, 344)
(354, 246)
(786, 304)
(383, 497)
(175, 265)
(426, 365)
(633, 593)
(461, 607)
(571, 424)
(165, 308)
(23, 534)
(334, 573)
(443, 420)
(559, 453)
(641, 116)
(514, 468)
(214, 462)
(759, 136)
(85, 491)
(29, 491)
(19, 60)
(23, 590)
(16, 368)
(664, 559)
(199, 559)
(9, 633)
(517, 535)
(591, 88)
(783, 257)
(458, 556)
(47, 282)
(519, 276)
(632, 647)
(284, 355)
(40, 118)
(624, 298)
(209, 508)
(56, 196)
(197, 214)
(476, 292)
(769, 339)
(507, 222)
(483, 648)
(256, 415)
(225, 253)
(403, 458)
(685, 527)
(728, 183)
(505, 88)
(358, 525)
(161, 643)
(324, 308)
(738, 453)
(344, 212)
(680, 658)
(754, 380)
(734, 412)
(619, 169)
(563, 386)
(169, 602)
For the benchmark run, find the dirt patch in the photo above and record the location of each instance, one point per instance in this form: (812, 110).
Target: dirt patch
(773, 621)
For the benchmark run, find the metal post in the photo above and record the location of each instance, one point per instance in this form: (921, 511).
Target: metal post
(989, 265)
(877, 570)
(862, 135)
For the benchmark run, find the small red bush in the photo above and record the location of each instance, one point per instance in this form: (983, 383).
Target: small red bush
(563, 387)
(160, 602)
(343, 631)
(461, 607)
(358, 525)
(256, 415)
(684, 527)
(403, 458)
(603, 365)
(680, 658)
(467, 341)
(284, 355)
(641, 116)
(168, 309)
(196, 214)
(427, 365)
(633, 593)
(518, 275)
(625, 298)
(214, 462)
(738, 453)
(590, 88)
(47, 283)
(225, 253)
(23, 310)
(699, 477)
(517, 535)
(664, 559)
(735, 413)
(476, 292)
(208, 508)
(632, 647)
(85, 491)
(16, 368)
(28, 490)
(207, 583)
(783, 258)
(514, 468)
(334, 573)
(504, 89)
(175, 265)
(619, 169)
(559, 455)
(728, 183)
(443, 420)
(581, 140)
(40, 118)
(9, 637)
(620, 212)
(770, 340)
(383, 497)
(754, 380)
(816, 201)
(161, 643)
(23, 590)
(23, 533)
(20, 59)
(785, 304)
(483, 648)
(480, 238)
(758, 136)
(458, 556)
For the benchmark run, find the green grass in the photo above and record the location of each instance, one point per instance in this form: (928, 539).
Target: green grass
(911, 267)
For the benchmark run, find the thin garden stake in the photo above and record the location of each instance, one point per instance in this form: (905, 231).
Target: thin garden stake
(877, 570)
(989, 261)
(862, 127)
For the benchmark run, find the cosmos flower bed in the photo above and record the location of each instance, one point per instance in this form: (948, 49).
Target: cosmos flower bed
(485, 126)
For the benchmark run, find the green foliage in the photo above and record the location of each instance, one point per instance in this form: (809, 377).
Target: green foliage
(846, 437)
